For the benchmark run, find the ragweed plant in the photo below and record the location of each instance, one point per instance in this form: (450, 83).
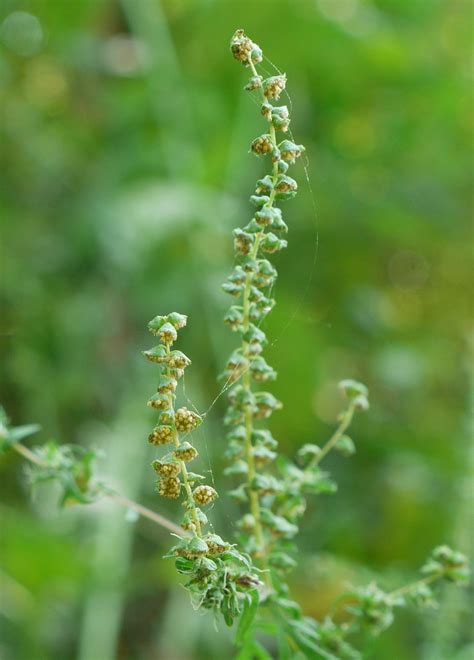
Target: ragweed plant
(246, 582)
(272, 487)
(218, 576)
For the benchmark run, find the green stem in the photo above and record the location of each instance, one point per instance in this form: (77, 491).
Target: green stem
(409, 587)
(119, 499)
(246, 380)
(338, 433)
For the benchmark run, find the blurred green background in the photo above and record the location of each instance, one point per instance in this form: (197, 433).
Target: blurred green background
(124, 170)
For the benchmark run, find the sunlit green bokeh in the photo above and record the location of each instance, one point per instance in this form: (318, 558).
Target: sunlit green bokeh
(125, 166)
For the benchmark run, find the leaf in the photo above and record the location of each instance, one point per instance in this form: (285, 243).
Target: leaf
(247, 617)
(252, 650)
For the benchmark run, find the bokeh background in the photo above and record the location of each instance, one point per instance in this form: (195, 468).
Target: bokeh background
(124, 170)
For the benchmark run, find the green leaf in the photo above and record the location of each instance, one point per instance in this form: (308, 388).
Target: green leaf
(247, 617)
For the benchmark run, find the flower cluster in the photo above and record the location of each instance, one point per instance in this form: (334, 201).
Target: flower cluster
(275, 497)
(219, 577)
(251, 448)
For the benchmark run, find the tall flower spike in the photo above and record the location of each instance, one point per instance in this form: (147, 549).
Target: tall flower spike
(222, 583)
(251, 283)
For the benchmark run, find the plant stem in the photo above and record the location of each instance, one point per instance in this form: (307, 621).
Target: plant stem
(119, 499)
(146, 513)
(338, 433)
(408, 587)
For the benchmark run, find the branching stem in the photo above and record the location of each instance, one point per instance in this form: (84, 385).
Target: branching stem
(115, 497)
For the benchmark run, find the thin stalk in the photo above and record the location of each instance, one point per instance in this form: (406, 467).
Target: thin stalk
(115, 497)
(408, 587)
(338, 433)
(246, 381)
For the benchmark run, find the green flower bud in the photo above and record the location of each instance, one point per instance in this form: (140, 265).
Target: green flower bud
(169, 487)
(259, 200)
(345, 446)
(266, 215)
(262, 145)
(280, 118)
(308, 452)
(232, 289)
(271, 243)
(273, 87)
(185, 452)
(264, 437)
(254, 335)
(285, 187)
(265, 484)
(243, 242)
(266, 403)
(167, 333)
(263, 455)
(234, 318)
(264, 186)
(237, 276)
(266, 110)
(162, 435)
(166, 468)
(156, 354)
(204, 494)
(290, 151)
(283, 167)
(186, 420)
(197, 547)
(260, 370)
(155, 324)
(361, 402)
(353, 388)
(177, 320)
(249, 265)
(236, 365)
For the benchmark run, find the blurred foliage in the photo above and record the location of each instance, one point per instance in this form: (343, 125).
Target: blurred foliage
(124, 169)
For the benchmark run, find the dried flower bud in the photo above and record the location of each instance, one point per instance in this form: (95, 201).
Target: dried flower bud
(244, 49)
(160, 402)
(166, 468)
(186, 420)
(204, 494)
(215, 544)
(169, 487)
(255, 82)
(167, 385)
(185, 452)
(178, 360)
(273, 87)
(262, 145)
(161, 435)
(156, 354)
